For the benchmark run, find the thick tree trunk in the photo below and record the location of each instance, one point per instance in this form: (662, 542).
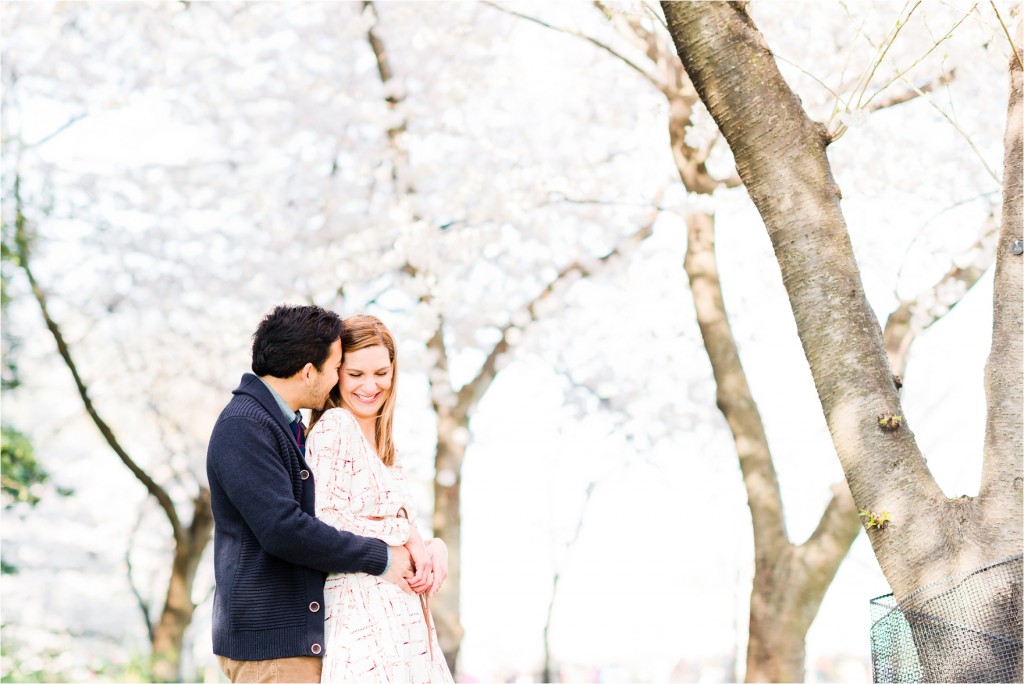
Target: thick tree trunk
(1002, 477)
(780, 156)
(776, 650)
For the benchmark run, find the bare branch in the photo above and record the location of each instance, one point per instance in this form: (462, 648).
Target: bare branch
(837, 528)
(901, 75)
(966, 137)
(607, 48)
(840, 128)
(734, 396)
(912, 93)
(889, 41)
(383, 63)
(914, 316)
(400, 157)
(437, 345)
(163, 422)
(682, 97)
(1009, 38)
(826, 548)
(49, 136)
(557, 577)
(473, 390)
(154, 489)
(808, 74)
(139, 598)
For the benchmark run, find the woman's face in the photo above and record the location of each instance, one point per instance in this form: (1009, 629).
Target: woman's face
(365, 380)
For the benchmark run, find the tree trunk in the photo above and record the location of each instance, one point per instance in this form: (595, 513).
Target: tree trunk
(448, 527)
(1002, 477)
(169, 633)
(780, 156)
(789, 581)
(776, 650)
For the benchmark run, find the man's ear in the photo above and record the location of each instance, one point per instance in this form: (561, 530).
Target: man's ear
(307, 373)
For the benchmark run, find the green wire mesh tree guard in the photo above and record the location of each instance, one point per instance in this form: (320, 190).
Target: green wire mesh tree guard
(959, 629)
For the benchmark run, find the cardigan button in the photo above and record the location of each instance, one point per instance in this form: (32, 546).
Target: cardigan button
(315, 648)
(303, 474)
(314, 607)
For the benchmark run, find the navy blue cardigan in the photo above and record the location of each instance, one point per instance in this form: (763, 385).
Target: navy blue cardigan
(270, 553)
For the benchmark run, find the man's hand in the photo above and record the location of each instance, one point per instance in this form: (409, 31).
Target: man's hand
(400, 568)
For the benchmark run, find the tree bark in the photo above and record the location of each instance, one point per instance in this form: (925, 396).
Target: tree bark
(1002, 475)
(169, 633)
(447, 525)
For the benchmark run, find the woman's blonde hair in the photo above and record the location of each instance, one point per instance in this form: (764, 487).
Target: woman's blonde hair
(360, 332)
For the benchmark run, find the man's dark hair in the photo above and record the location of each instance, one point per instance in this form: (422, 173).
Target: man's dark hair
(289, 337)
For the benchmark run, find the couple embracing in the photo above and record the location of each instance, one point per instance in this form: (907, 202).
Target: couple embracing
(321, 573)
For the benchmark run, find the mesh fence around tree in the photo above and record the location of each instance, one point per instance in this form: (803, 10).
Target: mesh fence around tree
(960, 629)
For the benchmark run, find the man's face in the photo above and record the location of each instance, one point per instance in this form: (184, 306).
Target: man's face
(326, 378)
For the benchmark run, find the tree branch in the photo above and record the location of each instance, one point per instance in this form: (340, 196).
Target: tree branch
(945, 78)
(140, 600)
(470, 393)
(831, 540)
(60, 129)
(607, 48)
(914, 316)
(557, 577)
(903, 73)
(154, 489)
(866, 77)
(1009, 38)
(400, 157)
(682, 97)
(734, 397)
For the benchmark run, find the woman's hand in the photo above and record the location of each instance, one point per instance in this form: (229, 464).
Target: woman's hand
(438, 553)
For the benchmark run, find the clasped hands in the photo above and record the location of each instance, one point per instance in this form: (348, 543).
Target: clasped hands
(419, 566)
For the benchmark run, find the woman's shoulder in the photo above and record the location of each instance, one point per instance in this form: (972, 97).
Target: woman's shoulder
(335, 419)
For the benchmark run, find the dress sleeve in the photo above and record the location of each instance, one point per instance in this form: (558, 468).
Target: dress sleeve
(337, 456)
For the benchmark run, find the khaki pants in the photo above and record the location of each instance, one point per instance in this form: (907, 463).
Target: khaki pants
(277, 670)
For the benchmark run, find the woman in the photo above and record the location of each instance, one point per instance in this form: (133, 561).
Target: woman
(374, 632)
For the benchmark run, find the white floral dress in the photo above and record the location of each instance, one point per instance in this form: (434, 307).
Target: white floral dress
(374, 632)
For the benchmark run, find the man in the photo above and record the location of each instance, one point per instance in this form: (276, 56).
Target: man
(270, 553)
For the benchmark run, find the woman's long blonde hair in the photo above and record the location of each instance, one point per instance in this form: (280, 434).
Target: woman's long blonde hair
(360, 332)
